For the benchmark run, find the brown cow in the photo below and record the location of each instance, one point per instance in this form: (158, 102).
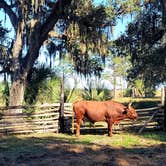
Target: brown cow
(109, 111)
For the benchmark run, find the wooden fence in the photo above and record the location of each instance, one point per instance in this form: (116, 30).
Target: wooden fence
(31, 119)
(45, 118)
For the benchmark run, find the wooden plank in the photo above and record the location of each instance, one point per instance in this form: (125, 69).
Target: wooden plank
(30, 116)
(8, 113)
(67, 105)
(147, 109)
(28, 120)
(30, 127)
(28, 131)
(146, 123)
(6, 124)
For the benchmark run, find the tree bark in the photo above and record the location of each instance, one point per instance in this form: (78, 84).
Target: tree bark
(18, 84)
(17, 93)
(164, 124)
(163, 8)
(114, 86)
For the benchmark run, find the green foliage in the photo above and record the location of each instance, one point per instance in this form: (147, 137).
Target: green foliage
(140, 103)
(88, 66)
(6, 93)
(87, 24)
(37, 84)
(84, 30)
(49, 92)
(4, 54)
(139, 87)
(76, 95)
(87, 36)
(145, 40)
(69, 95)
(121, 65)
(2, 99)
(150, 91)
(128, 92)
(29, 111)
(96, 93)
(146, 104)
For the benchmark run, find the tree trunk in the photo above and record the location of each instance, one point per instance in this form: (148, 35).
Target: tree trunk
(163, 8)
(114, 90)
(133, 92)
(17, 93)
(18, 83)
(164, 123)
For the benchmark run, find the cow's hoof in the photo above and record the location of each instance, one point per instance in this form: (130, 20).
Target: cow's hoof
(110, 135)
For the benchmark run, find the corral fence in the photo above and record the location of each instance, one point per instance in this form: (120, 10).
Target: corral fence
(45, 118)
(31, 119)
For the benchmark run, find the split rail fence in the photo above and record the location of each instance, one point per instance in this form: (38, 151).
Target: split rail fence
(31, 119)
(45, 118)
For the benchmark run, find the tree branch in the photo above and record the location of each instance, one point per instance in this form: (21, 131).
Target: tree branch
(57, 11)
(163, 6)
(10, 13)
(41, 32)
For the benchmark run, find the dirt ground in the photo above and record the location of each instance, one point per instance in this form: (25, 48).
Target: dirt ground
(61, 152)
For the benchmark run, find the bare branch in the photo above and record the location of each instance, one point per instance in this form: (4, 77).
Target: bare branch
(10, 13)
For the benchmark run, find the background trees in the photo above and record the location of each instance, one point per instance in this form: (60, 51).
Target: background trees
(145, 40)
(80, 30)
(32, 22)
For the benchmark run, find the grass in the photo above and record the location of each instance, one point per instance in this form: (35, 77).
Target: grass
(158, 136)
(21, 142)
(126, 140)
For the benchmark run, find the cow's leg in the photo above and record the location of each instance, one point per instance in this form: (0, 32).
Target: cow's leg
(110, 128)
(78, 127)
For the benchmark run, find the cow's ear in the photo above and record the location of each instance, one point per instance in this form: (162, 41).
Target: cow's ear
(124, 111)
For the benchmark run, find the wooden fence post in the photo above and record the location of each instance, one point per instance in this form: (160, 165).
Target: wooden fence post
(162, 96)
(164, 104)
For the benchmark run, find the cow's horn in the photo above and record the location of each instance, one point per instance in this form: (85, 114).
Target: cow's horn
(129, 105)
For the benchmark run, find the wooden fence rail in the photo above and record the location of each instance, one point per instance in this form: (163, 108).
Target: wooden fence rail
(31, 119)
(45, 118)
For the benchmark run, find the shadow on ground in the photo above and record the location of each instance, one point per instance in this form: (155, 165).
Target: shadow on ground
(62, 151)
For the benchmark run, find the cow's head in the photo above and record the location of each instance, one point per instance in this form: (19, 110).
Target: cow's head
(130, 112)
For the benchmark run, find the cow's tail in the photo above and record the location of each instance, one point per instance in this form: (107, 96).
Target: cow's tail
(73, 114)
